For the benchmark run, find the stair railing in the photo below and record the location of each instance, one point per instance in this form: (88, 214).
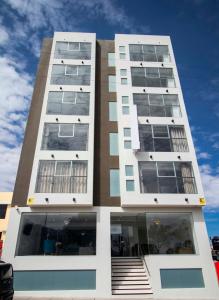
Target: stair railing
(143, 258)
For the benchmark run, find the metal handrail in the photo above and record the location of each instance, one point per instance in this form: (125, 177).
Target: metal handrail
(143, 258)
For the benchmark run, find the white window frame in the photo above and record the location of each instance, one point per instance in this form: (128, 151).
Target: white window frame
(63, 161)
(75, 99)
(66, 136)
(162, 176)
(70, 74)
(162, 137)
(79, 46)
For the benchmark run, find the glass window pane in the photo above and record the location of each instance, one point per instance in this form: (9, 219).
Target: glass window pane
(152, 72)
(148, 177)
(3, 208)
(124, 81)
(65, 137)
(170, 233)
(165, 169)
(166, 72)
(114, 147)
(167, 185)
(66, 130)
(61, 177)
(68, 103)
(112, 111)
(181, 278)
(130, 185)
(114, 183)
(57, 234)
(123, 72)
(122, 55)
(125, 110)
(112, 83)
(127, 144)
(125, 99)
(111, 59)
(129, 170)
(160, 131)
(127, 132)
(121, 48)
(145, 136)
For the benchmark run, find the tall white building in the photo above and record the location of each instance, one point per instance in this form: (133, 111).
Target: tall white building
(108, 197)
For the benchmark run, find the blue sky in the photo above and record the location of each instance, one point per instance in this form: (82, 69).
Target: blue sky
(194, 29)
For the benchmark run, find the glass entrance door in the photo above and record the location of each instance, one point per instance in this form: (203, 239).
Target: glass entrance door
(124, 235)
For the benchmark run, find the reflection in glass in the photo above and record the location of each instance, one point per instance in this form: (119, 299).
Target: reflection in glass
(65, 137)
(152, 77)
(167, 177)
(70, 75)
(57, 234)
(170, 233)
(68, 103)
(72, 50)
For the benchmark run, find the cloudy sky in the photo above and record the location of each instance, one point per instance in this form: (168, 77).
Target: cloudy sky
(194, 29)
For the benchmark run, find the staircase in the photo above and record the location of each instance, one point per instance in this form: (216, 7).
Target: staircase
(130, 277)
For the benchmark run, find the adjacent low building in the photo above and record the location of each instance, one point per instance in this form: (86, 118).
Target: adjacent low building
(5, 206)
(108, 197)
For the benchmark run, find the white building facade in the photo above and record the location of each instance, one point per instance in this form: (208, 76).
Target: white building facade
(148, 237)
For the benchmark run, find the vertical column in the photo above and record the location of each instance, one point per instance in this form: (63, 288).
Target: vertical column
(103, 275)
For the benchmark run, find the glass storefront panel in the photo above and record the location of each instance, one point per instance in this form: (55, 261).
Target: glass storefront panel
(57, 234)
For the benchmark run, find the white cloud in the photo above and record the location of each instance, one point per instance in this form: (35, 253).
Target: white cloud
(47, 16)
(4, 36)
(16, 90)
(210, 182)
(203, 155)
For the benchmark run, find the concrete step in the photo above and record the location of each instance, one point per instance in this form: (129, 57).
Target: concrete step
(124, 278)
(127, 263)
(118, 273)
(130, 282)
(131, 292)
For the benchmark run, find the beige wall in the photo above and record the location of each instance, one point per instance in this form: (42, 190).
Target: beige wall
(5, 198)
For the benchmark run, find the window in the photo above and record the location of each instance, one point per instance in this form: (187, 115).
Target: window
(157, 105)
(123, 72)
(114, 147)
(125, 110)
(129, 170)
(152, 77)
(122, 55)
(124, 81)
(72, 50)
(57, 234)
(61, 176)
(127, 144)
(114, 183)
(112, 111)
(3, 209)
(167, 177)
(127, 132)
(170, 233)
(162, 138)
(125, 99)
(112, 83)
(181, 278)
(122, 49)
(70, 75)
(72, 137)
(130, 185)
(111, 60)
(68, 103)
(149, 53)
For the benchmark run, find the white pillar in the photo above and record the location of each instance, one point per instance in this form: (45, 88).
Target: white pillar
(103, 275)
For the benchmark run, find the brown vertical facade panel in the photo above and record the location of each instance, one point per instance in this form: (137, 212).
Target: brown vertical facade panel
(27, 154)
(103, 162)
